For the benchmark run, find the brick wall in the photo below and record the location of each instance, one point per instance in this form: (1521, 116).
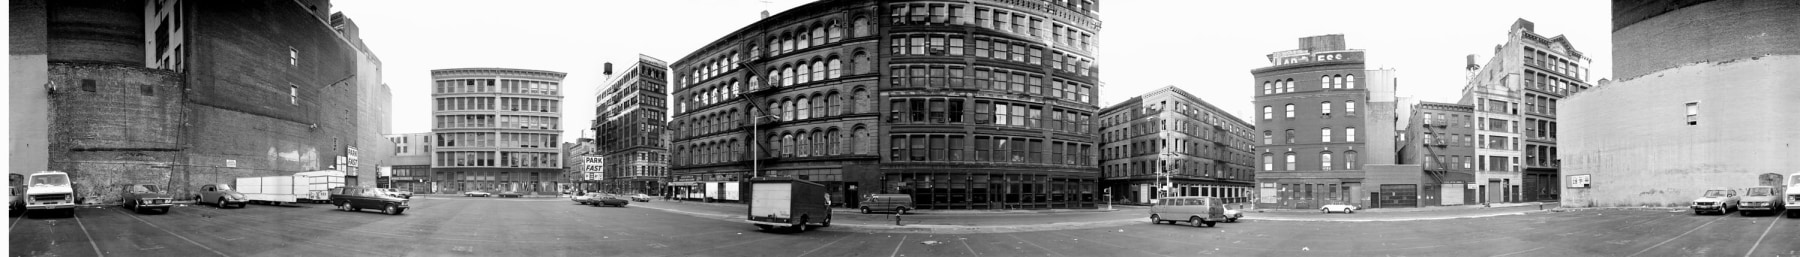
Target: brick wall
(1712, 31)
(101, 31)
(116, 133)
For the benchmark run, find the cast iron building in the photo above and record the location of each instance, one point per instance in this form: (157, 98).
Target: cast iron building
(1312, 113)
(497, 130)
(1704, 98)
(629, 118)
(964, 104)
(168, 92)
(1440, 137)
(1205, 151)
(1515, 98)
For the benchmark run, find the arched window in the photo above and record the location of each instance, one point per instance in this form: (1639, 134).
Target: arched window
(774, 77)
(1324, 81)
(834, 32)
(1350, 81)
(1289, 136)
(1268, 137)
(1290, 160)
(797, 108)
(1287, 86)
(862, 63)
(1268, 161)
(803, 144)
(862, 100)
(774, 46)
(818, 71)
(865, 139)
(831, 142)
(818, 35)
(1337, 80)
(1290, 110)
(775, 110)
(1325, 160)
(787, 145)
(1350, 134)
(774, 145)
(859, 27)
(1350, 160)
(818, 141)
(818, 105)
(1268, 112)
(804, 75)
(834, 68)
(1325, 135)
(833, 104)
(800, 38)
(792, 76)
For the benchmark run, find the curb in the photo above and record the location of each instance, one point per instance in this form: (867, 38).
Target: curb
(938, 229)
(1394, 219)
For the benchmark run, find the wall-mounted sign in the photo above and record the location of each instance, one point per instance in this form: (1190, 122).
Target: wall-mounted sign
(1579, 181)
(231, 163)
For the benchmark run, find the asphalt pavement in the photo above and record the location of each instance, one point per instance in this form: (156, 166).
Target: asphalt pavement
(457, 226)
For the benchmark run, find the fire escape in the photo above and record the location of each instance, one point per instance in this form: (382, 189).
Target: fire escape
(1441, 174)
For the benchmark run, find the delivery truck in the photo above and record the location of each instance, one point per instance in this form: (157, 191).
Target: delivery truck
(788, 203)
(273, 190)
(319, 184)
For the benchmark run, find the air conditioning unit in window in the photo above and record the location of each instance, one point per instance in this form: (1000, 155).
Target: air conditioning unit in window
(936, 50)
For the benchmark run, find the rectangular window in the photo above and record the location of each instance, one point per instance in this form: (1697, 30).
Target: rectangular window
(293, 57)
(1693, 113)
(293, 94)
(918, 111)
(956, 45)
(982, 47)
(937, 111)
(956, 147)
(1036, 114)
(937, 76)
(982, 146)
(1018, 115)
(957, 80)
(956, 111)
(984, 112)
(919, 76)
(1001, 114)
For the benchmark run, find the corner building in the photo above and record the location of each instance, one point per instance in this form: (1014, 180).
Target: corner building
(1310, 106)
(1205, 151)
(629, 121)
(496, 130)
(963, 104)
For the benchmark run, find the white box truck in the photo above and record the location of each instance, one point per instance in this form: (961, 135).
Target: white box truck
(319, 184)
(273, 190)
(790, 203)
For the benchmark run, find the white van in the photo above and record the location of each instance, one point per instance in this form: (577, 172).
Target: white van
(1196, 210)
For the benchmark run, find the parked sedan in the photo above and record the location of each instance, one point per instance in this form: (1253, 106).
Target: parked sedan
(1232, 215)
(1338, 207)
(219, 195)
(397, 193)
(606, 200)
(582, 197)
(640, 198)
(358, 198)
(476, 194)
(512, 194)
(140, 197)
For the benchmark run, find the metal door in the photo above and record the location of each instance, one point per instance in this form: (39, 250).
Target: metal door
(1399, 195)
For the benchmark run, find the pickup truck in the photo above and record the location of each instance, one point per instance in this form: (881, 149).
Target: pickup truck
(790, 203)
(46, 190)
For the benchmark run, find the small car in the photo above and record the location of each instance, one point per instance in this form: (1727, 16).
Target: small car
(358, 198)
(1721, 200)
(219, 195)
(582, 197)
(512, 194)
(1760, 199)
(140, 197)
(606, 200)
(476, 194)
(1338, 207)
(640, 198)
(1232, 215)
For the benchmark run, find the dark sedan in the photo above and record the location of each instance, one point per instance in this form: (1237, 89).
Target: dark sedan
(606, 200)
(512, 194)
(358, 198)
(140, 197)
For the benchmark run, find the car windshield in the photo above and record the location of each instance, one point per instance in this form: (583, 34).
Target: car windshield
(1760, 191)
(50, 180)
(145, 189)
(1715, 193)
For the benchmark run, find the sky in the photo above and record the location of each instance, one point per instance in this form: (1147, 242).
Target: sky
(1206, 48)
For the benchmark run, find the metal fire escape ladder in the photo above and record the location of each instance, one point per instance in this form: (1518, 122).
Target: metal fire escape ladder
(1444, 169)
(758, 99)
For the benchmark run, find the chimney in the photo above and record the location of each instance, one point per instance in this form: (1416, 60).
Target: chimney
(765, 14)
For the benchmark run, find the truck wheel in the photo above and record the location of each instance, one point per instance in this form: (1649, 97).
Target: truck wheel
(1155, 220)
(827, 223)
(764, 227)
(1195, 221)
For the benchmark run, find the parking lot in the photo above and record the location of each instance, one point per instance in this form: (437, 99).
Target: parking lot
(458, 226)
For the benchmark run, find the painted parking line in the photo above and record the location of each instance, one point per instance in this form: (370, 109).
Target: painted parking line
(823, 246)
(15, 222)
(1519, 252)
(1765, 234)
(897, 246)
(1646, 249)
(1047, 250)
(1091, 240)
(153, 225)
(84, 232)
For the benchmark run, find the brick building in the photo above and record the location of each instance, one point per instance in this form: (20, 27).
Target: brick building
(177, 92)
(496, 129)
(410, 166)
(981, 104)
(1440, 138)
(1515, 96)
(576, 168)
(630, 116)
(1703, 97)
(1205, 151)
(1320, 126)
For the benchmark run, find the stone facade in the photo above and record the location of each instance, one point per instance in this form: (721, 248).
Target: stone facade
(1206, 150)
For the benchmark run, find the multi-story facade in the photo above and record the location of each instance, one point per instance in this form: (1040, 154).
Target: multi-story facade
(630, 115)
(164, 92)
(963, 104)
(1440, 137)
(575, 159)
(1515, 96)
(497, 129)
(410, 165)
(1310, 107)
(1203, 150)
(1693, 105)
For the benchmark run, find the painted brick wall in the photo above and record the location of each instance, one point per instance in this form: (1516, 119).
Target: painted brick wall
(1713, 31)
(1632, 136)
(116, 133)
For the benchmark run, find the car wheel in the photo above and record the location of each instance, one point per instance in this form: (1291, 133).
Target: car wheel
(390, 210)
(1155, 220)
(1195, 221)
(1349, 210)
(865, 210)
(802, 226)
(221, 203)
